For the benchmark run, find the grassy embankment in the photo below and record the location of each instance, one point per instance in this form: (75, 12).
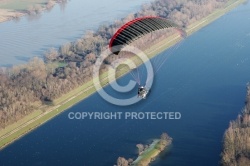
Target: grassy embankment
(150, 154)
(45, 113)
(10, 9)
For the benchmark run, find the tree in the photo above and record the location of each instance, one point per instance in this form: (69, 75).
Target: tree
(236, 142)
(51, 55)
(164, 136)
(122, 161)
(140, 148)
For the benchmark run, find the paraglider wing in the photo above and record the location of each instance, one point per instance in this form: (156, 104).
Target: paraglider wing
(136, 29)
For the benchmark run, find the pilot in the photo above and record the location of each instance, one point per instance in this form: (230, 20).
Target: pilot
(142, 92)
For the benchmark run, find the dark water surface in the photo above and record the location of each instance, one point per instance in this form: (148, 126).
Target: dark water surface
(205, 80)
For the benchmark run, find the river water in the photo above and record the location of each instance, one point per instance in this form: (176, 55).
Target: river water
(205, 80)
(32, 36)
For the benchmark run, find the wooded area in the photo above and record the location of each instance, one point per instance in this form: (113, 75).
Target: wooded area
(236, 149)
(24, 87)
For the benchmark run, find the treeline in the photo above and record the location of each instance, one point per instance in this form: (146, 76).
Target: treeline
(23, 87)
(165, 140)
(236, 148)
(37, 8)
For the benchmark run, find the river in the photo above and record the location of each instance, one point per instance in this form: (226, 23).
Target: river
(205, 80)
(33, 35)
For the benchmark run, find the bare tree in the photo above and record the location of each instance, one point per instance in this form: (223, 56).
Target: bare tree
(121, 161)
(236, 143)
(140, 148)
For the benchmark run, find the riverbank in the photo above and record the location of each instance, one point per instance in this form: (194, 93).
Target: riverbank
(14, 9)
(74, 97)
(236, 141)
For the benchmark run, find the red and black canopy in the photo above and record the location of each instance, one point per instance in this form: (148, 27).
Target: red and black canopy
(136, 29)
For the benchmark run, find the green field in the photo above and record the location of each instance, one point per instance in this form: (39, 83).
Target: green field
(45, 113)
(149, 154)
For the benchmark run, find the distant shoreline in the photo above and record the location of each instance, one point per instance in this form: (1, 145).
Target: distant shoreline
(7, 15)
(39, 117)
(9, 12)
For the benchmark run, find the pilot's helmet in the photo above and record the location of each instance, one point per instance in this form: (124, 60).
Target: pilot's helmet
(141, 88)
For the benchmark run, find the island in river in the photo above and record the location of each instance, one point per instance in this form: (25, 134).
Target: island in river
(147, 153)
